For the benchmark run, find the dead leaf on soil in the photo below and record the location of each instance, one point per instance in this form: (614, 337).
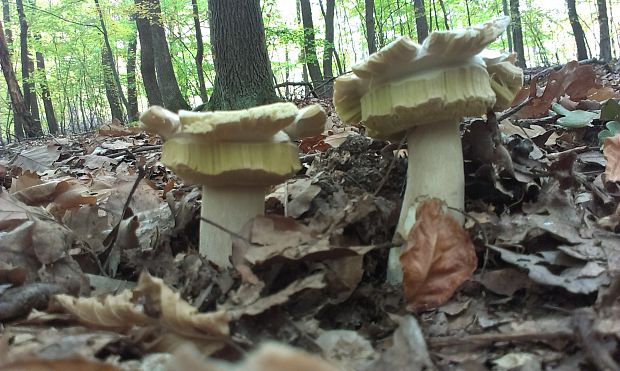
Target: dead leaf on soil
(611, 150)
(39, 158)
(59, 365)
(115, 129)
(438, 258)
(153, 305)
(573, 80)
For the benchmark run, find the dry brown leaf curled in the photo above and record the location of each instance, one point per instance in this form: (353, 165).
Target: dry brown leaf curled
(611, 150)
(438, 258)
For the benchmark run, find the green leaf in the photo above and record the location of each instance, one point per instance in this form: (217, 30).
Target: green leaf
(613, 129)
(610, 110)
(573, 119)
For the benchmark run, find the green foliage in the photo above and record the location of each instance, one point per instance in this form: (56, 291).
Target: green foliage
(68, 34)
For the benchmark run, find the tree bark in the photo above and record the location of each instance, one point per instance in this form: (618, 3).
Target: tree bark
(517, 32)
(509, 31)
(110, 87)
(132, 90)
(17, 99)
(421, 25)
(371, 38)
(168, 85)
(243, 76)
(580, 39)
(312, 62)
(147, 59)
(328, 50)
(50, 116)
(603, 24)
(30, 97)
(199, 54)
(445, 14)
(18, 126)
(111, 67)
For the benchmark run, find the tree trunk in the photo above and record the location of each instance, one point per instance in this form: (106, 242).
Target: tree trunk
(110, 88)
(30, 97)
(17, 99)
(243, 76)
(421, 25)
(50, 116)
(168, 85)
(445, 14)
(509, 31)
(371, 39)
(132, 89)
(517, 33)
(328, 50)
(147, 60)
(603, 25)
(199, 54)
(111, 67)
(310, 48)
(580, 38)
(18, 126)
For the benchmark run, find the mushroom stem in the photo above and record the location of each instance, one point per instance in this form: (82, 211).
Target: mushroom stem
(435, 169)
(230, 207)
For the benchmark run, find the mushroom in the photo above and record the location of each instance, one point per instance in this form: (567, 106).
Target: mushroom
(235, 156)
(423, 91)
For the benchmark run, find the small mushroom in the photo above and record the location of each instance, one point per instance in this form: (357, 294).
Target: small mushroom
(236, 156)
(423, 91)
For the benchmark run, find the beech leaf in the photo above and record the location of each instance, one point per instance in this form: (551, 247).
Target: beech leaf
(438, 258)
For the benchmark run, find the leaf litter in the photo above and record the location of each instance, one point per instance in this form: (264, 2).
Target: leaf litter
(98, 252)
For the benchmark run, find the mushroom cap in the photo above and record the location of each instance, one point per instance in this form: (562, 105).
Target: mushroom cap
(238, 148)
(406, 84)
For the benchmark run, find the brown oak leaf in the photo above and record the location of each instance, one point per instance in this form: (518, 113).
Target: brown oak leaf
(611, 151)
(438, 258)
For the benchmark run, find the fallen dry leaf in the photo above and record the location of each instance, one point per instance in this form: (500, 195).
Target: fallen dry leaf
(438, 258)
(58, 365)
(154, 306)
(611, 150)
(39, 158)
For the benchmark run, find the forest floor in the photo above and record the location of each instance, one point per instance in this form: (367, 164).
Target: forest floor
(89, 215)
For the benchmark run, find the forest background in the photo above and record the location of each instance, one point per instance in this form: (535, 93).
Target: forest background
(81, 63)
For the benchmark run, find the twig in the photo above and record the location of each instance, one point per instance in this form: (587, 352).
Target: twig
(556, 155)
(390, 167)
(488, 339)
(589, 342)
(221, 227)
(511, 111)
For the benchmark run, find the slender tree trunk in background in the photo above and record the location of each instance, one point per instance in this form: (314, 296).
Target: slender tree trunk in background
(328, 50)
(50, 116)
(310, 49)
(371, 39)
(132, 88)
(17, 99)
(30, 97)
(421, 26)
(168, 85)
(468, 13)
(200, 51)
(517, 33)
(243, 76)
(580, 38)
(110, 87)
(147, 60)
(603, 24)
(509, 31)
(18, 126)
(445, 14)
(111, 67)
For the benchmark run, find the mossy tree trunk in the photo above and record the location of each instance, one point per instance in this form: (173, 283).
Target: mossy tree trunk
(132, 90)
(580, 39)
(110, 87)
(243, 76)
(50, 115)
(30, 97)
(200, 52)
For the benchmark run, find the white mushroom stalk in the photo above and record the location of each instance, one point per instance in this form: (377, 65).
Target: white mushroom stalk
(423, 91)
(236, 156)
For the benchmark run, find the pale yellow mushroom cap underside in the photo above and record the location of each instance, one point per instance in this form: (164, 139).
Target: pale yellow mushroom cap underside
(446, 78)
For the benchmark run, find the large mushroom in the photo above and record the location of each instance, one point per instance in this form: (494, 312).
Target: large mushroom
(423, 91)
(236, 156)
